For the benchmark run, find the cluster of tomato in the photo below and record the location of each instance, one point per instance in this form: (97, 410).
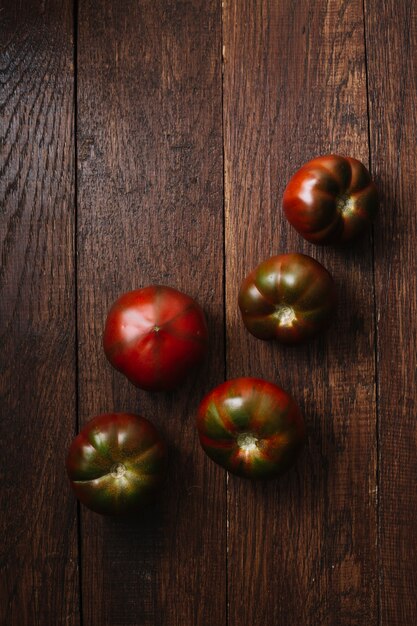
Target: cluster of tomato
(155, 336)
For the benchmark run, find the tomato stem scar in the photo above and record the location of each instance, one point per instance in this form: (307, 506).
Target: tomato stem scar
(345, 203)
(118, 470)
(286, 315)
(247, 441)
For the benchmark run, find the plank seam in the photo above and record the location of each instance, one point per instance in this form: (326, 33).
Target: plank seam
(375, 341)
(77, 374)
(222, 59)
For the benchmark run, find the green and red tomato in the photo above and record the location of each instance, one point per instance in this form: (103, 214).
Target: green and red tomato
(331, 199)
(290, 297)
(116, 463)
(155, 336)
(251, 427)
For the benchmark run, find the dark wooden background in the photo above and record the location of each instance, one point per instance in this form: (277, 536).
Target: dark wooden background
(150, 141)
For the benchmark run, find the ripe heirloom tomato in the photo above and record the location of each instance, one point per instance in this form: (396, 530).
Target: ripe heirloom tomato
(330, 199)
(251, 427)
(155, 336)
(116, 463)
(290, 297)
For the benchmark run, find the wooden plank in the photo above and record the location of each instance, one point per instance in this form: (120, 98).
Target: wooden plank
(151, 211)
(301, 550)
(38, 526)
(393, 104)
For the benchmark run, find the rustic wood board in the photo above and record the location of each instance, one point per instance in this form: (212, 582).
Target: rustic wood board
(150, 207)
(38, 524)
(303, 550)
(393, 114)
(189, 118)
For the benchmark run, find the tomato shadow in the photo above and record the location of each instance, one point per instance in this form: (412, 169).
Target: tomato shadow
(143, 526)
(144, 551)
(120, 553)
(173, 528)
(329, 377)
(322, 375)
(292, 500)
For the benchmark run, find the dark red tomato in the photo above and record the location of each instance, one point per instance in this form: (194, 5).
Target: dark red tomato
(290, 298)
(251, 427)
(155, 336)
(116, 463)
(331, 199)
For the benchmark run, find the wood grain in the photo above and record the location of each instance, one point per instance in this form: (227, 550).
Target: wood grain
(393, 113)
(150, 181)
(38, 553)
(302, 550)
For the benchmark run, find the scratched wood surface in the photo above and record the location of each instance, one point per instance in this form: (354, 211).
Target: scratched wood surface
(150, 204)
(38, 524)
(150, 141)
(301, 550)
(393, 116)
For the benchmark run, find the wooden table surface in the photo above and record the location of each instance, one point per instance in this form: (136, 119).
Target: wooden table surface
(149, 141)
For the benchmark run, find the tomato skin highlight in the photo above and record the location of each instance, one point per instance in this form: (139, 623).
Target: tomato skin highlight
(251, 427)
(155, 336)
(331, 200)
(116, 463)
(289, 297)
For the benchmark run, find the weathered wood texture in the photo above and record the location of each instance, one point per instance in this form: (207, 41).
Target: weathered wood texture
(38, 553)
(391, 29)
(150, 205)
(302, 550)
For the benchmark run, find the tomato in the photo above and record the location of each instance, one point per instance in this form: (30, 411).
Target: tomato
(155, 336)
(331, 199)
(290, 298)
(116, 462)
(251, 427)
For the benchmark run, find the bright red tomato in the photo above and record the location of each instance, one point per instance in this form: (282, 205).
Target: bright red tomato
(330, 199)
(155, 336)
(290, 297)
(116, 463)
(251, 427)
